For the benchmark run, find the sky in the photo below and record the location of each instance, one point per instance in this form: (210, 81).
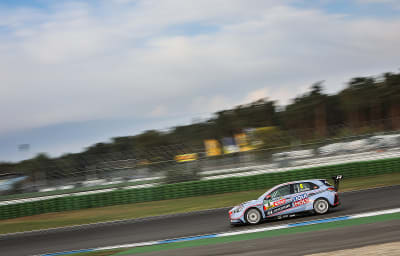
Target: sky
(74, 73)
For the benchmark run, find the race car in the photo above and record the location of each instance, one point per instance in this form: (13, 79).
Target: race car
(288, 199)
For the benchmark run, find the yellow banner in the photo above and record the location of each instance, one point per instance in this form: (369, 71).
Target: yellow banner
(242, 141)
(255, 135)
(186, 157)
(213, 147)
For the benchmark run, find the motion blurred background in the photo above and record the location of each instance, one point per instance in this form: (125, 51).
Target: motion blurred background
(361, 122)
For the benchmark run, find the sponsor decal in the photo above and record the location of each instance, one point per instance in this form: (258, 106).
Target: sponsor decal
(300, 197)
(279, 202)
(301, 202)
(279, 209)
(270, 204)
(267, 207)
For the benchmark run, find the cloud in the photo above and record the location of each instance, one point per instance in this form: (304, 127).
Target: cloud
(393, 3)
(257, 94)
(284, 95)
(78, 62)
(159, 111)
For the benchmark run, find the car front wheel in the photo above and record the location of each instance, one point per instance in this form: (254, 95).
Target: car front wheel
(321, 206)
(253, 216)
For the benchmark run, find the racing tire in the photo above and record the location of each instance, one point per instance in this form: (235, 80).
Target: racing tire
(253, 216)
(321, 206)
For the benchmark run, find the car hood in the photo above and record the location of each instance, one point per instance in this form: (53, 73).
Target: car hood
(247, 204)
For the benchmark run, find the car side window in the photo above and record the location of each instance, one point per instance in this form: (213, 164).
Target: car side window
(313, 186)
(304, 186)
(281, 191)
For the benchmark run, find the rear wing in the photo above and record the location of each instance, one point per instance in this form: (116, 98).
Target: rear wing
(336, 180)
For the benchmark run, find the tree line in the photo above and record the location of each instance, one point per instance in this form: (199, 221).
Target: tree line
(366, 104)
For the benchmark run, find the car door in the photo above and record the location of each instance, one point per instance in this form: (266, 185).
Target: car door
(301, 193)
(278, 201)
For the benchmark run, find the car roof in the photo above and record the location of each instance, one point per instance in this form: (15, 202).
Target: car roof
(291, 182)
(297, 181)
(313, 180)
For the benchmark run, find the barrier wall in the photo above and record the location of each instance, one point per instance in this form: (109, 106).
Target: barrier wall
(197, 188)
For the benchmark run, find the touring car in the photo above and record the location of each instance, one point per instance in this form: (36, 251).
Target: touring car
(288, 199)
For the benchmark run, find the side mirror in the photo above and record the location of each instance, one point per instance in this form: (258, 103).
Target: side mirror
(268, 197)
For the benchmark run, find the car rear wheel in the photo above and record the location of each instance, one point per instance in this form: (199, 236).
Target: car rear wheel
(253, 216)
(321, 206)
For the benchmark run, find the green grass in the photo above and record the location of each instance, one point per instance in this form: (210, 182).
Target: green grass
(155, 208)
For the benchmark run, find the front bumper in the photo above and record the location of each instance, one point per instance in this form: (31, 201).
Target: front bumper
(235, 218)
(236, 222)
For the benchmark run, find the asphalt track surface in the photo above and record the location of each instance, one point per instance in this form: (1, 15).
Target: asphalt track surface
(173, 226)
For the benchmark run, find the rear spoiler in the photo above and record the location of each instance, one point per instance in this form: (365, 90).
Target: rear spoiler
(336, 180)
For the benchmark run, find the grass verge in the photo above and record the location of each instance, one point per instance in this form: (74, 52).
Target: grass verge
(139, 210)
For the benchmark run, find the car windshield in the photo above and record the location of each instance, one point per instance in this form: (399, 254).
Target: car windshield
(262, 197)
(269, 192)
(281, 191)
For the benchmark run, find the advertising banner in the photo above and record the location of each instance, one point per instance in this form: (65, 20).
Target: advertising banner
(229, 145)
(213, 147)
(243, 143)
(186, 157)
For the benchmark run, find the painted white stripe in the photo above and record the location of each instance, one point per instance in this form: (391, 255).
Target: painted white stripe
(126, 246)
(369, 214)
(249, 231)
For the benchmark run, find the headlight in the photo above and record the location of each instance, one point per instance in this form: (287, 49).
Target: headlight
(237, 209)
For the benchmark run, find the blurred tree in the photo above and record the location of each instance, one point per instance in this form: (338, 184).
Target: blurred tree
(357, 101)
(306, 116)
(272, 137)
(391, 94)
